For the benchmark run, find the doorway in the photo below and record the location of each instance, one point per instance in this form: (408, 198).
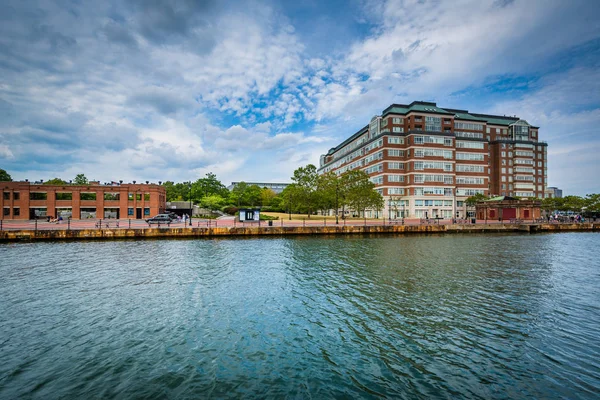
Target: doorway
(138, 213)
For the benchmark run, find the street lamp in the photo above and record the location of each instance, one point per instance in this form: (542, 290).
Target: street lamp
(337, 206)
(403, 211)
(191, 209)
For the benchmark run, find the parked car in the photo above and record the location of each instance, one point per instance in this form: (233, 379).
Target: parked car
(160, 219)
(172, 215)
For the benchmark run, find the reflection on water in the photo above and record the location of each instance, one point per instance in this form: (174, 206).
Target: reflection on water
(500, 316)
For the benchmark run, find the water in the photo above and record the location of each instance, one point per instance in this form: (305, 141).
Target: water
(455, 316)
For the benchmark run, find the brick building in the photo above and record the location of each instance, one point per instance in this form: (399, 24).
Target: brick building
(508, 208)
(26, 200)
(426, 160)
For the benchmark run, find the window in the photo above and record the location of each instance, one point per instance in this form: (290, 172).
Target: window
(470, 156)
(16, 196)
(146, 211)
(447, 141)
(111, 196)
(469, 168)
(397, 120)
(469, 192)
(146, 196)
(433, 153)
(130, 197)
(475, 135)
(130, 210)
(64, 196)
(469, 145)
(433, 124)
(6, 195)
(430, 139)
(395, 140)
(395, 178)
(395, 153)
(16, 211)
(138, 196)
(6, 211)
(397, 129)
(469, 180)
(468, 125)
(503, 154)
(395, 165)
(374, 168)
(88, 196)
(38, 196)
(503, 170)
(395, 191)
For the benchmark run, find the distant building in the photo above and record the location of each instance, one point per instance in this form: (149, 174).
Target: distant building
(26, 200)
(553, 192)
(276, 187)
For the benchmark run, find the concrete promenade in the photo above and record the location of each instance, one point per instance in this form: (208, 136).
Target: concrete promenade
(138, 229)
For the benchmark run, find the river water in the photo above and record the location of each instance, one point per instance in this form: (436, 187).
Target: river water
(449, 316)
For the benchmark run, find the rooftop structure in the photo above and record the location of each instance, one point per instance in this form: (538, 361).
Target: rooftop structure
(276, 187)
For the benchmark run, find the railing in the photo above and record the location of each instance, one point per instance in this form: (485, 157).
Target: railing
(315, 221)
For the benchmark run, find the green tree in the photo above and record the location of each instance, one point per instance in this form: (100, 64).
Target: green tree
(592, 202)
(209, 185)
(358, 192)
(290, 199)
(476, 198)
(266, 196)
(253, 195)
(238, 193)
(305, 179)
(5, 176)
(55, 181)
(212, 202)
(552, 204)
(572, 203)
(327, 196)
(80, 179)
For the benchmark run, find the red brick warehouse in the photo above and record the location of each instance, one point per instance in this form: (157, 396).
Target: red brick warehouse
(26, 200)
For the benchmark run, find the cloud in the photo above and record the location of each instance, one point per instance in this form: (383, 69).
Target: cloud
(171, 89)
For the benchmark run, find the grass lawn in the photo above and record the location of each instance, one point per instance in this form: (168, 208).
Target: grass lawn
(300, 217)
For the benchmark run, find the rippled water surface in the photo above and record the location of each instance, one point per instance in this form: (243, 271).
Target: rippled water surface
(506, 316)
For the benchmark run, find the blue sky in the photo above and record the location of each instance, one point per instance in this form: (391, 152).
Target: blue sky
(251, 90)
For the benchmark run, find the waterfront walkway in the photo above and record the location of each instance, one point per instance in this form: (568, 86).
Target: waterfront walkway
(139, 229)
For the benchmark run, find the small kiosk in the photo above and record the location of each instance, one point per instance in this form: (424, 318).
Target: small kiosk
(249, 215)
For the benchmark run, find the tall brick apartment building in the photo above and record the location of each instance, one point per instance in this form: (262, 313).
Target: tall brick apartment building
(25, 200)
(426, 160)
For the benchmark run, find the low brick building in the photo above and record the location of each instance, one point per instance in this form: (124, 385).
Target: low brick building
(27, 200)
(507, 208)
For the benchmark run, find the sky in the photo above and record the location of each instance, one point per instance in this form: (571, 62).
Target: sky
(251, 90)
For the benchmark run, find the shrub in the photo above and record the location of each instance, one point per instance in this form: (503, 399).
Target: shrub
(264, 217)
(231, 210)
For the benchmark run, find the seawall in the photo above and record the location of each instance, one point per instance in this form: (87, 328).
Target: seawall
(160, 233)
